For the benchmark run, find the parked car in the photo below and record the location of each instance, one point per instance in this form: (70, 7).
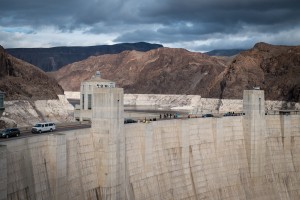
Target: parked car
(207, 115)
(9, 132)
(128, 121)
(227, 114)
(43, 127)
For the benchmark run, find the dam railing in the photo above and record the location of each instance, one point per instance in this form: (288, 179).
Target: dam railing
(282, 112)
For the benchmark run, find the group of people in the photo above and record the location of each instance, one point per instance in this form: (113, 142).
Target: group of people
(161, 116)
(233, 114)
(168, 115)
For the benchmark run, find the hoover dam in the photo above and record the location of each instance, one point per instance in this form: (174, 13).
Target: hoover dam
(252, 156)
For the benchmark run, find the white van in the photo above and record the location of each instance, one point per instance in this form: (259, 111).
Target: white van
(43, 127)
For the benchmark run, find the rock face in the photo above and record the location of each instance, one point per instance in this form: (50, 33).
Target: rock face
(196, 103)
(23, 81)
(52, 59)
(160, 71)
(26, 113)
(275, 69)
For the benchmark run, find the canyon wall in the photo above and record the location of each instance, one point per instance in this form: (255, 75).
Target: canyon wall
(26, 113)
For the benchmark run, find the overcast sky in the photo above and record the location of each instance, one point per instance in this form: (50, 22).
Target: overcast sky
(197, 25)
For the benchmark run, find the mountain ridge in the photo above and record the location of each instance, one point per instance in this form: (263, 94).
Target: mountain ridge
(148, 72)
(276, 69)
(52, 59)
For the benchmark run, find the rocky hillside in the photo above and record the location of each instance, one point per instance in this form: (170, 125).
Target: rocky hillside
(22, 81)
(160, 71)
(276, 69)
(52, 59)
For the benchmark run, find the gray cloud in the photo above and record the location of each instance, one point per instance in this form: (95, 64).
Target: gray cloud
(162, 21)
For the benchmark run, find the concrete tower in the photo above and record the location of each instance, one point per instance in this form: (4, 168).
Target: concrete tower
(109, 139)
(255, 130)
(86, 91)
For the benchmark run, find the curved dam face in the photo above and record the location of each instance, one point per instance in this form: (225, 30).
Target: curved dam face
(254, 156)
(174, 159)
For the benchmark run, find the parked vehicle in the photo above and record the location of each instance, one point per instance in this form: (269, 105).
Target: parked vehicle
(128, 121)
(43, 127)
(227, 114)
(207, 115)
(9, 132)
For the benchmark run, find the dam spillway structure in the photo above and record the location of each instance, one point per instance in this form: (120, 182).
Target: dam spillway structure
(251, 156)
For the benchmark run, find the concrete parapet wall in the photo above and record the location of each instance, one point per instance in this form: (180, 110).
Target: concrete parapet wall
(203, 158)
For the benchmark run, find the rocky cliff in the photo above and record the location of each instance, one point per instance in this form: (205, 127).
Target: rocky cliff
(27, 113)
(275, 69)
(51, 59)
(23, 81)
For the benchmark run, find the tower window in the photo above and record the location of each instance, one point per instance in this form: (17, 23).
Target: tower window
(82, 101)
(89, 101)
(259, 99)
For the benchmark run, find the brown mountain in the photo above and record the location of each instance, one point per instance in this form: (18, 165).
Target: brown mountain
(21, 80)
(160, 71)
(276, 69)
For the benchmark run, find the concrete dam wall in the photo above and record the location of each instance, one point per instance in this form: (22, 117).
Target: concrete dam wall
(207, 159)
(253, 156)
(173, 159)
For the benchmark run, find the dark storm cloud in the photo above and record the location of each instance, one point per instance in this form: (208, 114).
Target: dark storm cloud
(156, 20)
(249, 11)
(66, 13)
(175, 32)
(199, 20)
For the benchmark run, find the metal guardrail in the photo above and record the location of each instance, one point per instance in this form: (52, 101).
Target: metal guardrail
(283, 112)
